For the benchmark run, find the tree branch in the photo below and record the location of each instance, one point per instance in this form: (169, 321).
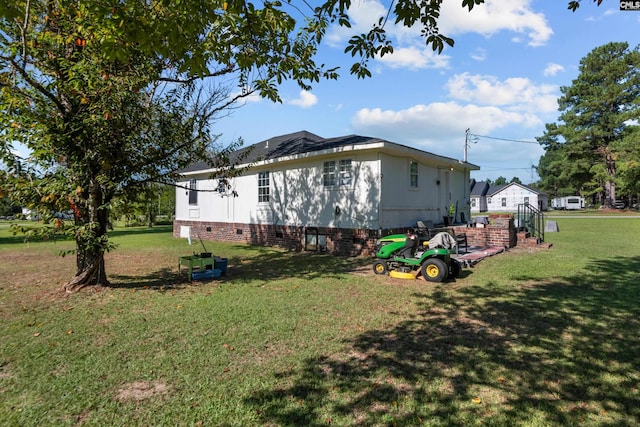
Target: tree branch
(226, 70)
(23, 32)
(34, 84)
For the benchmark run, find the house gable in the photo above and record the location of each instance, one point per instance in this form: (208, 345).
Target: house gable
(493, 191)
(508, 197)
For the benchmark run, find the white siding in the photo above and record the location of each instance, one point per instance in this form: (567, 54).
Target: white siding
(508, 199)
(297, 196)
(438, 186)
(381, 195)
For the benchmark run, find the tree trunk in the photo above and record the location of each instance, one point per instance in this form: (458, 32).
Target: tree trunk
(90, 272)
(150, 215)
(610, 184)
(91, 242)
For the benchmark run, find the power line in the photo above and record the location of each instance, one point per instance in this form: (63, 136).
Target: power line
(497, 169)
(505, 139)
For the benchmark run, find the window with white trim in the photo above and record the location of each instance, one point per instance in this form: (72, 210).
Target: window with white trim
(344, 173)
(193, 193)
(263, 187)
(329, 173)
(413, 174)
(337, 174)
(504, 202)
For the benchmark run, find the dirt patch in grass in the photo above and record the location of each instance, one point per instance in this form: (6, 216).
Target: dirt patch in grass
(139, 391)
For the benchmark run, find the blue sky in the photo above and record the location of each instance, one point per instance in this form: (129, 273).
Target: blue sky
(501, 80)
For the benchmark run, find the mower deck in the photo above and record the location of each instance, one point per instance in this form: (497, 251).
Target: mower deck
(400, 275)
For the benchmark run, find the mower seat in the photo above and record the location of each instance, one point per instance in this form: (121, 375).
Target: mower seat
(422, 230)
(409, 248)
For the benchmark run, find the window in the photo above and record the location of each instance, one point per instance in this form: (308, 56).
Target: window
(313, 241)
(263, 187)
(413, 174)
(504, 201)
(473, 202)
(526, 200)
(193, 193)
(489, 200)
(329, 174)
(337, 175)
(345, 172)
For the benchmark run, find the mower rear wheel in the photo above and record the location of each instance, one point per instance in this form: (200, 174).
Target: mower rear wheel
(380, 267)
(455, 269)
(435, 270)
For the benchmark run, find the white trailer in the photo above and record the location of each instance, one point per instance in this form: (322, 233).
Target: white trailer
(568, 203)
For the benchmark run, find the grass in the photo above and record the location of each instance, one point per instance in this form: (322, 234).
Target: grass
(526, 338)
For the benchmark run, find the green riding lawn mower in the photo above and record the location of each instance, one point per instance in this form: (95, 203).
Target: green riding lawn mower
(402, 257)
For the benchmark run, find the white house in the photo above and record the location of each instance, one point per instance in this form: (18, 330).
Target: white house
(506, 198)
(334, 194)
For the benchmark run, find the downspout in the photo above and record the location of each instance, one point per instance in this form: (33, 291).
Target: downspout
(467, 196)
(379, 180)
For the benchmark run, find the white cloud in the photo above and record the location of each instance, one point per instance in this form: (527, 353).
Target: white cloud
(479, 55)
(252, 98)
(362, 14)
(305, 99)
(552, 69)
(494, 16)
(601, 16)
(489, 18)
(515, 93)
(440, 128)
(415, 58)
(433, 122)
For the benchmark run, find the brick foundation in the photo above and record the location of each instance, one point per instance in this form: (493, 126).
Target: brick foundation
(339, 241)
(500, 232)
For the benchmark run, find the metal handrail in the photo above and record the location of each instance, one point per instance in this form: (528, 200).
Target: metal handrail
(531, 219)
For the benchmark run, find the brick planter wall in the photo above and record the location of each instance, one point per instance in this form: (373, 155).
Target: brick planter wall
(500, 232)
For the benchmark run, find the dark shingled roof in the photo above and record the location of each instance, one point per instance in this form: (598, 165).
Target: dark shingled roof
(290, 145)
(479, 188)
(298, 143)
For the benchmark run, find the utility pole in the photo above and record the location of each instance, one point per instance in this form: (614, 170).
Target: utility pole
(466, 144)
(468, 138)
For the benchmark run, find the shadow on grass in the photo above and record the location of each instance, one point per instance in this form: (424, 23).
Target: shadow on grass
(270, 265)
(163, 279)
(265, 264)
(156, 229)
(564, 352)
(20, 238)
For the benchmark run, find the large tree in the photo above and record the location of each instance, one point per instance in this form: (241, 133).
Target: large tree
(558, 175)
(111, 96)
(106, 100)
(598, 112)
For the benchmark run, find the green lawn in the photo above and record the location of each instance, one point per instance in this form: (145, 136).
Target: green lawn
(526, 338)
